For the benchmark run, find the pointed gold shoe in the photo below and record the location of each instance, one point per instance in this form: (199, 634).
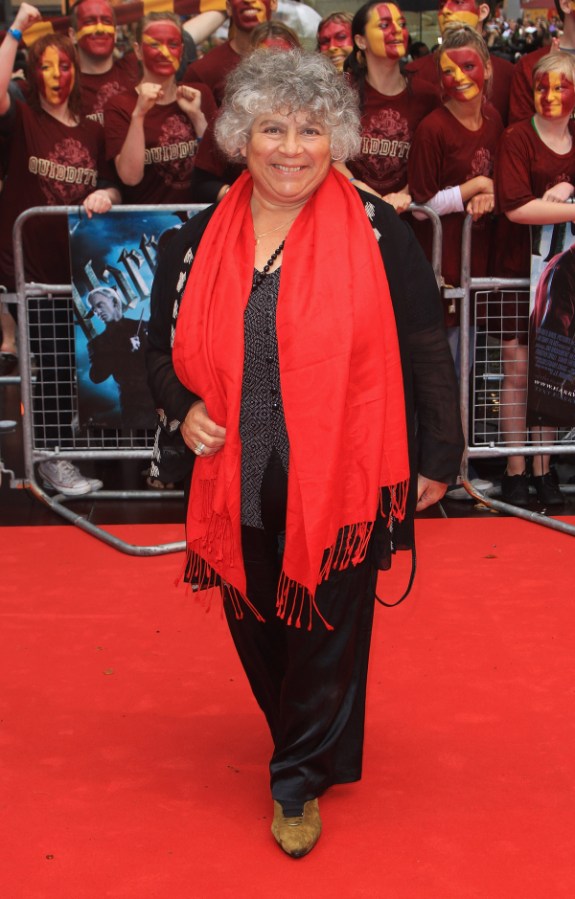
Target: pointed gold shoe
(297, 836)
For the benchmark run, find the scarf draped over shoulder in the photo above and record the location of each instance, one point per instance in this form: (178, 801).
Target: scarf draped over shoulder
(341, 384)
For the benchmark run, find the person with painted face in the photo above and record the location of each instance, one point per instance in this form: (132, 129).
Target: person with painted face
(475, 15)
(391, 109)
(452, 157)
(153, 132)
(535, 182)
(101, 75)
(334, 38)
(215, 66)
(56, 158)
(521, 102)
(272, 345)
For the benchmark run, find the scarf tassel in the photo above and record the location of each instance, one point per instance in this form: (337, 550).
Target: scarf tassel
(393, 502)
(291, 601)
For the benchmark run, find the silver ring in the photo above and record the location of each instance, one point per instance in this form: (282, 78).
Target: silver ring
(199, 449)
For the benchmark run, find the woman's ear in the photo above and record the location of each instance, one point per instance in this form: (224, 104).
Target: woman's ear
(359, 41)
(137, 51)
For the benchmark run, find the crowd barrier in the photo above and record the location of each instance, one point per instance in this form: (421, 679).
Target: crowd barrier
(50, 425)
(50, 421)
(482, 400)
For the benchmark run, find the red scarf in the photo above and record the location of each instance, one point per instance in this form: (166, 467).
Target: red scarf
(341, 385)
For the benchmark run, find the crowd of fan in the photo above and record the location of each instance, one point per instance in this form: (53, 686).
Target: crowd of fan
(109, 114)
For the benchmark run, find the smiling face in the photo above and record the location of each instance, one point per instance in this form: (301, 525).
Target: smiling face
(55, 75)
(466, 11)
(386, 32)
(96, 34)
(554, 95)
(334, 41)
(462, 74)
(248, 14)
(162, 48)
(288, 157)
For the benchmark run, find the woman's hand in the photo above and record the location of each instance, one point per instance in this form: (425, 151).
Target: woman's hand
(148, 96)
(98, 201)
(198, 428)
(559, 193)
(189, 99)
(400, 201)
(480, 204)
(26, 16)
(428, 492)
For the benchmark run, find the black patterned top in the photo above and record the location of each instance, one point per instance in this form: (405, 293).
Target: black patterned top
(262, 420)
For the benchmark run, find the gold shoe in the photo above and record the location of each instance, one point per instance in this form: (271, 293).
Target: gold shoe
(297, 836)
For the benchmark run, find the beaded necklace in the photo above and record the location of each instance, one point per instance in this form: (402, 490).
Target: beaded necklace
(259, 277)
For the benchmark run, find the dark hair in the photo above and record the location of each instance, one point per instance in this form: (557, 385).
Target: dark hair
(356, 63)
(61, 42)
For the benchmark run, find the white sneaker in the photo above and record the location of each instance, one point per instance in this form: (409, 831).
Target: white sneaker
(65, 478)
(460, 493)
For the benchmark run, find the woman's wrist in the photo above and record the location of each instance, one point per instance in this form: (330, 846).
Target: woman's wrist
(15, 32)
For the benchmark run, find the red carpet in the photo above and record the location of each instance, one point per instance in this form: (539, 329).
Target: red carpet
(133, 759)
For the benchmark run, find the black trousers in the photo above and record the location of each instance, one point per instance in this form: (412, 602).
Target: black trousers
(310, 684)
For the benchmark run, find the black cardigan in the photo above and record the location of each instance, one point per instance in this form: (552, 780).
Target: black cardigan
(430, 383)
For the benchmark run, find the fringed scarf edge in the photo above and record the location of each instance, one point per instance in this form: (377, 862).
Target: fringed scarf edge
(350, 548)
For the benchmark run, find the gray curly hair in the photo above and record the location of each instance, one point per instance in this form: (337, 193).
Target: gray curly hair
(288, 81)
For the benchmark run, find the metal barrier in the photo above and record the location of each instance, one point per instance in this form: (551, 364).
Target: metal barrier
(482, 423)
(49, 392)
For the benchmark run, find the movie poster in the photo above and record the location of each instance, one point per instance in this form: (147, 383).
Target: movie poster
(113, 260)
(551, 391)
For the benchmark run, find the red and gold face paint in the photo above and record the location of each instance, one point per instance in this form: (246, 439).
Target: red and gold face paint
(162, 48)
(334, 41)
(96, 34)
(386, 31)
(554, 95)
(274, 42)
(466, 11)
(55, 76)
(462, 74)
(247, 14)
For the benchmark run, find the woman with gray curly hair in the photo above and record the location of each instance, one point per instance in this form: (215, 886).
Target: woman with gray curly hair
(286, 380)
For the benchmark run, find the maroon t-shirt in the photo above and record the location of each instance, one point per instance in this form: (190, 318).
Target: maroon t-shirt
(521, 103)
(212, 69)
(171, 147)
(446, 154)
(387, 128)
(49, 164)
(96, 90)
(525, 168)
(424, 71)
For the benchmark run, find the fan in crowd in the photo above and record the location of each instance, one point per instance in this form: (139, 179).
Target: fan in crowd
(452, 158)
(334, 38)
(535, 181)
(391, 108)
(153, 132)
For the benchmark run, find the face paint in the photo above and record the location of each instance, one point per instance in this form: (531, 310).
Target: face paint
(162, 48)
(554, 95)
(96, 34)
(55, 75)
(386, 31)
(466, 11)
(335, 41)
(276, 43)
(246, 14)
(462, 73)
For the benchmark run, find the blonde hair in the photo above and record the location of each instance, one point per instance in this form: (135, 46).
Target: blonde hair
(555, 62)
